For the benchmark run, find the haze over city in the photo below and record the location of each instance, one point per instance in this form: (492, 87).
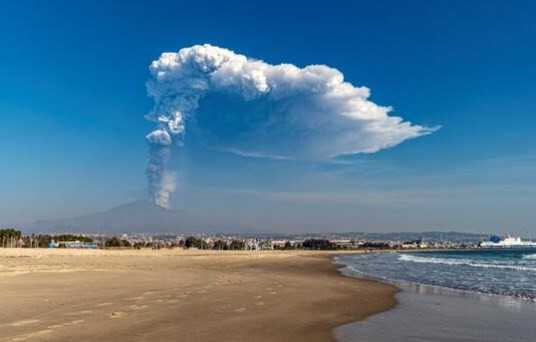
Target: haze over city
(86, 105)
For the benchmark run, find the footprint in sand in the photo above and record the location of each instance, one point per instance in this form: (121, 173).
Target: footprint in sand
(183, 296)
(148, 293)
(138, 307)
(257, 297)
(24, 322)
(173, 301)
(55, 326)
(259, 303)
(105, 304)
(273, 293)
(84, 312)
(34, 334)
(135, 298)
(74, 322)
(159, 301)
(240, 310)
(117, 314)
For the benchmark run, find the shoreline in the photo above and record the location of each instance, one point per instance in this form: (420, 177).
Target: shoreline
(436, 313)
(186, 295)
(401, 284)
(427, 313)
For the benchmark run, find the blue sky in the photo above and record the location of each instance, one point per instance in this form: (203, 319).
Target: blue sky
(73, 97)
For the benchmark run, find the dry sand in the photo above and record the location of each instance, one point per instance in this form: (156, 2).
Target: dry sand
(176, 295)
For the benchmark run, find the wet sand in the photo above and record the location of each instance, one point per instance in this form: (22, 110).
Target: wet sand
(70, 295)
(428, 313)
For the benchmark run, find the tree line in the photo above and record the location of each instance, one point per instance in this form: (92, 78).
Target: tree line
(189, 242)
(10, 238)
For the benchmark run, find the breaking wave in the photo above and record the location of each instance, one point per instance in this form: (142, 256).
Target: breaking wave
(467, 262)
(509, 273)
(529, 256)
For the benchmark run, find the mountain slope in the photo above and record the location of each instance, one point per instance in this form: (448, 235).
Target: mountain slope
(139, 216)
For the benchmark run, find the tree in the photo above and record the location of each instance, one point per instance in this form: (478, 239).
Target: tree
(288, 245)
(192, 242)
(70, 237)
(221, 245)
(319, 244)
(237, 245)
(9, 237)
(117, 242)
(375, 245)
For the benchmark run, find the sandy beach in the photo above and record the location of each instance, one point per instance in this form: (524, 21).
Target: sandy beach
(146, 295)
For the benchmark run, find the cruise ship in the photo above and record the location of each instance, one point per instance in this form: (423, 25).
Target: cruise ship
(508, 242)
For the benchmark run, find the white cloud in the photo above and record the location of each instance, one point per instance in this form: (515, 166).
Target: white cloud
(314, 114)
(307, 113)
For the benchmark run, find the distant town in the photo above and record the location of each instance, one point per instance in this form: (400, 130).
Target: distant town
(12, 238)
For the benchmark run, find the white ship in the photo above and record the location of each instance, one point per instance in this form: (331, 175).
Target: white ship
(508, 242)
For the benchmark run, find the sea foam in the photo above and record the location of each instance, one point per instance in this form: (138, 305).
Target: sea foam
(466, 262)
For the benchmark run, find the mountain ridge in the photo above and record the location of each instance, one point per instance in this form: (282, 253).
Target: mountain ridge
(138, 216)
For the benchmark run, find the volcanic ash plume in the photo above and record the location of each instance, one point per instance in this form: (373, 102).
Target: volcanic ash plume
(307, 113)
(161, 181)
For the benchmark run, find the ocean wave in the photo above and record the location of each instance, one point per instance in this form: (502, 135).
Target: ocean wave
(465, 262)
(529, 256)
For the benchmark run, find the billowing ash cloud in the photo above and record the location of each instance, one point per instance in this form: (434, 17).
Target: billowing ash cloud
(306, 113)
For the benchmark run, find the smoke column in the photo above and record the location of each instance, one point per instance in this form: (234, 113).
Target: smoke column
(309, 113)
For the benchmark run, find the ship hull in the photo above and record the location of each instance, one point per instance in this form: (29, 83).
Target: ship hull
(509, 247)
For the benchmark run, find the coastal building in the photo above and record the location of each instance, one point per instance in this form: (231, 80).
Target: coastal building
(348, 243)
(73, 244)
(281, 244)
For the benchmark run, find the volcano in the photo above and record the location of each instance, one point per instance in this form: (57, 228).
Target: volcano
(138, 217)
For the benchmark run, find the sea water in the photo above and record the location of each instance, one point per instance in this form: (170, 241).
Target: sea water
(450, 296)
(509, 273)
